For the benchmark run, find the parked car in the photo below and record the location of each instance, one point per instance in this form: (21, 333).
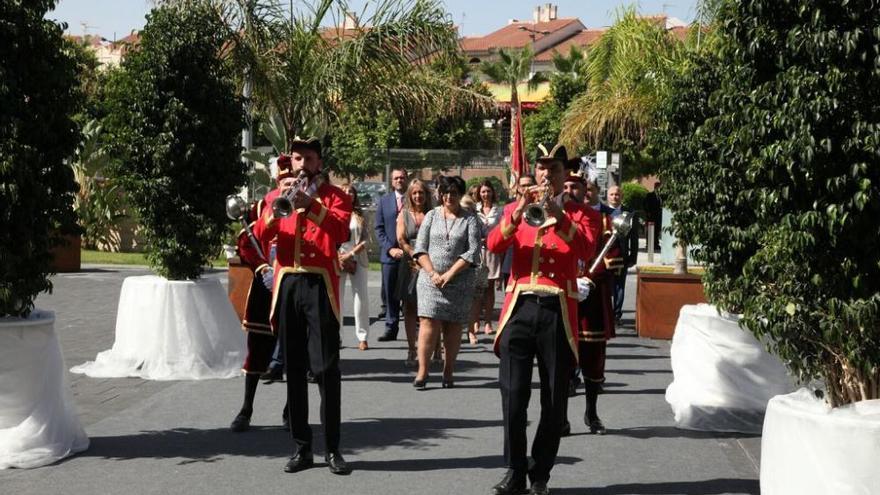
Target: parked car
(369, 193)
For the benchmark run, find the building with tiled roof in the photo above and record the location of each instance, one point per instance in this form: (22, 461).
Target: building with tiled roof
(548, 35)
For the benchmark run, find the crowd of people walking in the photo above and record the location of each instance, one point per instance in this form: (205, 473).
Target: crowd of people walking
(444, 252)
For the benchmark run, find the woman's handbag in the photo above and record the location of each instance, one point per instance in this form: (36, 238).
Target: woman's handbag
(349, 266)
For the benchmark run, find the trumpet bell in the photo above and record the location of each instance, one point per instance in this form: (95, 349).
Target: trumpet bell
(236, 207)
(622, 224)
(282, 207)
(534, 215)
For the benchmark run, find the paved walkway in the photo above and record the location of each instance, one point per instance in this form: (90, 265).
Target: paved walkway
(172, 437)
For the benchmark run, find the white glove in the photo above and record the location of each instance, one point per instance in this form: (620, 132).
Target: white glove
(268, 277)
(585, 285)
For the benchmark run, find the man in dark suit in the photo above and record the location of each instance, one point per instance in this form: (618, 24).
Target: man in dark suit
(629, 250)
(390, 253)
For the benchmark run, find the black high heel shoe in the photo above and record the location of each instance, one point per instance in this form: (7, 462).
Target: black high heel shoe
(447, 384)
(420, 384)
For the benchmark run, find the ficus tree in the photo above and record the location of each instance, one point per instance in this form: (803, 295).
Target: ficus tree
(772, 166)
(38, 98)
(174, 124)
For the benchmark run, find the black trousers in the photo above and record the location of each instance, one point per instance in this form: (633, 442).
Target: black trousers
(535, 329)
(310, 336)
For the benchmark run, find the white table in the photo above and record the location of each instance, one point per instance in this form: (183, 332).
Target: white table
(172, 330)
(38, 422)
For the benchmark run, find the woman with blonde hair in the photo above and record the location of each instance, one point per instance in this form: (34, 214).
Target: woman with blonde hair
(416, 202)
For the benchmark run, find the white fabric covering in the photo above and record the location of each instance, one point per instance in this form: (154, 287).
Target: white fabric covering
(38, 422)
(808, 448)
(172, 330)
(723, 377)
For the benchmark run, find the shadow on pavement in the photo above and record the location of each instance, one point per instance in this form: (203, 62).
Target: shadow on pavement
(195, 445)
(637, 357)
(643, 432)
(413, 433)
(640, 372)
(627, 345)
(644, 391)
(706, 487)
(481, 462)
(351, 368)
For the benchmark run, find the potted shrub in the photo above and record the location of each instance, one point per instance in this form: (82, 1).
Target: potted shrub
(775, 177)
(173, 123)
(37, 100)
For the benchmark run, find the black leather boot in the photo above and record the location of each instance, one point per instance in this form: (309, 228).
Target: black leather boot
(591, 417)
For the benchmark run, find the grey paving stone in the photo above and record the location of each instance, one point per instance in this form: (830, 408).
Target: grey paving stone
(172, 437)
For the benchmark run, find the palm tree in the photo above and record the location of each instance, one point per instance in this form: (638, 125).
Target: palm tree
(567, 80)
(304, 72)
(512, 68)
(626, 75)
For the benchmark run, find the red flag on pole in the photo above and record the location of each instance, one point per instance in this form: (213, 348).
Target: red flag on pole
(518, 164)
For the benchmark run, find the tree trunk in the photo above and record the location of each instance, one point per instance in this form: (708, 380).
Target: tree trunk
(681, 260)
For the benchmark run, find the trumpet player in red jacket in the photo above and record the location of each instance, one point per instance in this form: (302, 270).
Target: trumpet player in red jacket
(309, 223)
(538, 318)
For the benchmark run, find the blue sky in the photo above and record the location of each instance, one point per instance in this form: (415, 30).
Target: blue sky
(475, 17)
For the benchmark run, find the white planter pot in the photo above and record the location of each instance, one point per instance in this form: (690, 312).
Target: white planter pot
(38, 422)
(723, 377)
(808, 448)
(172, 330)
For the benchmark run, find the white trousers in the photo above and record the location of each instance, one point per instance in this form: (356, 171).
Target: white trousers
(361, 300)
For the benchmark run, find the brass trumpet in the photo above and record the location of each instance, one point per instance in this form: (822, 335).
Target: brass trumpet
(536, 213)
(282, 206)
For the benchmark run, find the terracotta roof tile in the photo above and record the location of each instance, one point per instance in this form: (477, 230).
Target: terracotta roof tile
(511, 36)
(583, 39)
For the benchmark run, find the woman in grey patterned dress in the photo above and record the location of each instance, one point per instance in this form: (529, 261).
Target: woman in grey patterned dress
(447, 249)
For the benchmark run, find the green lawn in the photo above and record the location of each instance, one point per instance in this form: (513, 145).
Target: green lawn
(105, 258)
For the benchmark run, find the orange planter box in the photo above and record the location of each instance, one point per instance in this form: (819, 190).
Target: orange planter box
(66, 258)
(240, 278)
(659, 298)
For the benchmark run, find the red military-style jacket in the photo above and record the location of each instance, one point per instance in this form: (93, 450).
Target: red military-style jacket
(545, 261)
(307, 240)
(596, 313)
(256, 310)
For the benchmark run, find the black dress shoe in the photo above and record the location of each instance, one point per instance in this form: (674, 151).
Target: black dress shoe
(539, 488)
(240, 423)
(565, 430)
(381, 315)
(299, 462)
(388, 336)
(420, 384)
(596, 427)
(272, 376)
(447, 384)
(513, 483)
(337, 464)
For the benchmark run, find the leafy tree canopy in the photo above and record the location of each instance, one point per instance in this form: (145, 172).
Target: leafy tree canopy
(175, 124)
(38, 97)
(771, 154)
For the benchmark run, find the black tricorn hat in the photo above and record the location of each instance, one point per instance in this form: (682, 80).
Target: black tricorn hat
(309, 143)
(557, 153)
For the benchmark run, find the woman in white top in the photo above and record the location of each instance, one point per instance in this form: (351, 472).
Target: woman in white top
(355, 267)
